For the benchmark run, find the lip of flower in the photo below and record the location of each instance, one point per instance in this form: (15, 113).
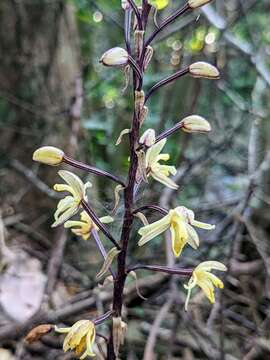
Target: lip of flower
(203, 277)
(81, 337)
(84, 227)
(70, 205)
(180, 221)
(158, 171)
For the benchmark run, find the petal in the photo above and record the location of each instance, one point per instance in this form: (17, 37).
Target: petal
(155, 231)
(167, 169)
(209, 265)
(148, 228)
(64, 205)
(193, 238)
(208, 289)
(153, 152)
(202, 225)
(164, 157)
(77, 224)
(62, 330)
(164, 180)
(215, 280)
(63, 187)
(106, 219)
(66, 215)
(73, 181)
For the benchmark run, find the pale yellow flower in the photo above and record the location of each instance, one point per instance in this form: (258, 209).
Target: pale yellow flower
(159, 4)
(49, 155)
(70, 205)
(180, 221)
(84, 227)
(80, 337)
(158, 171)
(203, 277)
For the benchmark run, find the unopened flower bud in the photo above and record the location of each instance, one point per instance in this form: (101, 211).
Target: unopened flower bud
(197, 3)
(195, 124)
(115, 57)
(203, 70)
(49, 155)
(148, 138)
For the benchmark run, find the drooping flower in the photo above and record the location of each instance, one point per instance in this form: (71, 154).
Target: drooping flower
(80, 337)
(180, 221)
(158, 171)
(203, 277)
(70, 205)
(49, 155)
(84, 227)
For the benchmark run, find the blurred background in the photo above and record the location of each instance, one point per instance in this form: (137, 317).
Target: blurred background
(53, 91)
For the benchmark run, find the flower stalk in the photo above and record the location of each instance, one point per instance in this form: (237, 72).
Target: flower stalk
(146, 160)
(99, 224)
(91, 169)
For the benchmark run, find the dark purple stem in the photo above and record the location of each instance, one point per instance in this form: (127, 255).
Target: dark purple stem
(91, 169)
(101, 248)
(166, 81)
(128, 13)
(151, 207)
(136, 68)
(169, 132)
(162, 26)
(164, 269)
(137, 13)
(99, 224)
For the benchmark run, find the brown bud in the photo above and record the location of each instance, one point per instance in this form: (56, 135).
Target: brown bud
(37, 333)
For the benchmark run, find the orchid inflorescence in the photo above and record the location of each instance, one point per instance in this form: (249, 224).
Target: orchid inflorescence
(146, 162)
